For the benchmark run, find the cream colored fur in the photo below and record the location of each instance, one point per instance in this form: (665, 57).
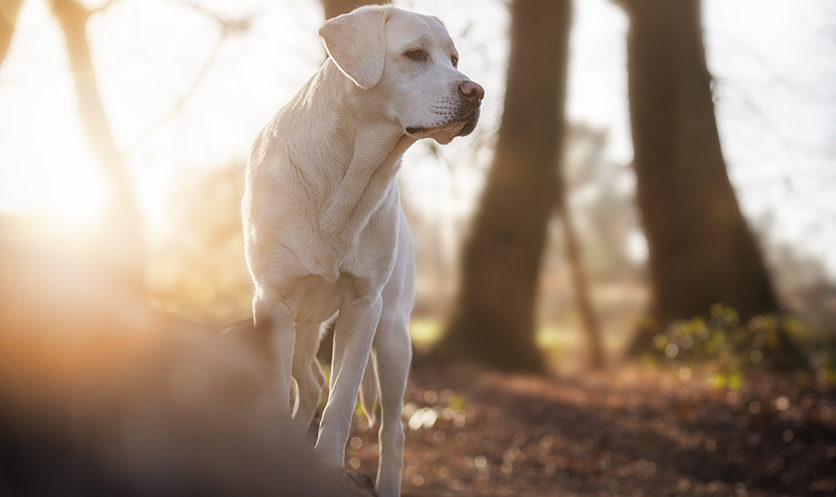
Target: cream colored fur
(324, 231)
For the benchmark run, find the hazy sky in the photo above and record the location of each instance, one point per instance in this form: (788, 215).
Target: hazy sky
(774, 61)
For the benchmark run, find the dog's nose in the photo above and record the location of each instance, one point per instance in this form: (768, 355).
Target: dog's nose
(473, 92)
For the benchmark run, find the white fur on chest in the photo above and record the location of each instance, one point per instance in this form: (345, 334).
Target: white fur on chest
(321, 201)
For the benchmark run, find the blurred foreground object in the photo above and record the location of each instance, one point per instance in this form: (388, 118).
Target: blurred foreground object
(100, 395)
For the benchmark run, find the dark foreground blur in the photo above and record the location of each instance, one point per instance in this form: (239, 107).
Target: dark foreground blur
(99, 395)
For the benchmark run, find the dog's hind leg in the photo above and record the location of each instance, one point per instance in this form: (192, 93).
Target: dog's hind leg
(369, 389)
(393, 355)
(275, 316)
(308, 375)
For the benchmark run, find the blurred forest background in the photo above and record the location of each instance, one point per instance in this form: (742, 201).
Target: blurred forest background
(646, 204)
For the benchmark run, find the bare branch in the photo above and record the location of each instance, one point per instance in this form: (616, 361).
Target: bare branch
(184, 97)
(102, 8)
(228, 26)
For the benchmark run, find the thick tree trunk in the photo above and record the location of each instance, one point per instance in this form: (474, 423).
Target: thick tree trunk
(494, 320)
(333, 8)
(124, 221)
(9, 9)
(700, 247)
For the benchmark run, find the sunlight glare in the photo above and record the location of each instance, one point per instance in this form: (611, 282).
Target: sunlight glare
(69, 197)
(75, 200)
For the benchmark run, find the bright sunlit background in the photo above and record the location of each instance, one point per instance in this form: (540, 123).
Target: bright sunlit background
(111, 370)
(185, 102)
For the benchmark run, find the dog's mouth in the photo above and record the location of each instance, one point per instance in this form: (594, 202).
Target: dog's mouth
(470, 121)
(460, 126)
(416, 130)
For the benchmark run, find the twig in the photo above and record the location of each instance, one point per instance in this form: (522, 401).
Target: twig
(228, 27)
(184, 97)
(101, 8)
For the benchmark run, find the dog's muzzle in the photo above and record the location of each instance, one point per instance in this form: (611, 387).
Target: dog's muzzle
(472, 94)
(465, 117)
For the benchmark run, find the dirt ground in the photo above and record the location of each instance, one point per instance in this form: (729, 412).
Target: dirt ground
(630, 432)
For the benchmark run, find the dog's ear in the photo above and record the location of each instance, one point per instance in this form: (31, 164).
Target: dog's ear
(356, 43)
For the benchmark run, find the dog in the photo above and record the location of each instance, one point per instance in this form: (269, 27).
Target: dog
(324, 231)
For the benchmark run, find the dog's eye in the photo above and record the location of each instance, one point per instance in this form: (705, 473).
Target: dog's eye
(417, 54)
(454, 60)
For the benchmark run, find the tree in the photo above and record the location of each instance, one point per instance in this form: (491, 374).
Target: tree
(333, 8)
(574, 258)
(493, 323)
(9, 9)
(124, 223)
(701, 250)
(123, 236)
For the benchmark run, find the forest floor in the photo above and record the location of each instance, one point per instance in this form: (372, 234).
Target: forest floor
(634, 431)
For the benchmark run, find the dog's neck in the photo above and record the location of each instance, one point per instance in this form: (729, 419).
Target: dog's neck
(357, 156)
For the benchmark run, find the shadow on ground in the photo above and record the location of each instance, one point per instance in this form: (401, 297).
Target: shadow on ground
(632, 432)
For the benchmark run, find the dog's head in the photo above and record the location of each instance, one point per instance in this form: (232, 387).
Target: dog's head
(406, 62)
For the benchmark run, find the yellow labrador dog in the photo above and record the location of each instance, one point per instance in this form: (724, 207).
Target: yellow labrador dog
(324, 231)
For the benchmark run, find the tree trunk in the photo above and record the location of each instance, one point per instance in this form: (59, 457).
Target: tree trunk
(589, 321)
(9, 9)
(700, 247)
(124, 224)
(333, 8)
(494, 321)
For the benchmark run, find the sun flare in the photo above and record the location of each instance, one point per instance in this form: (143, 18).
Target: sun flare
(70, 197)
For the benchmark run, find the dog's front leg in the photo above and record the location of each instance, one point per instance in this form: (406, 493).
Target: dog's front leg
(353, 336)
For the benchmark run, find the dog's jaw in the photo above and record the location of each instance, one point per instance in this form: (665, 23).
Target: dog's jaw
(449, 116)
(470, 123)
(444, 132)
(416, 131)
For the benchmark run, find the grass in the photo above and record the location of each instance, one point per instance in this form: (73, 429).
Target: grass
(553, 339)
